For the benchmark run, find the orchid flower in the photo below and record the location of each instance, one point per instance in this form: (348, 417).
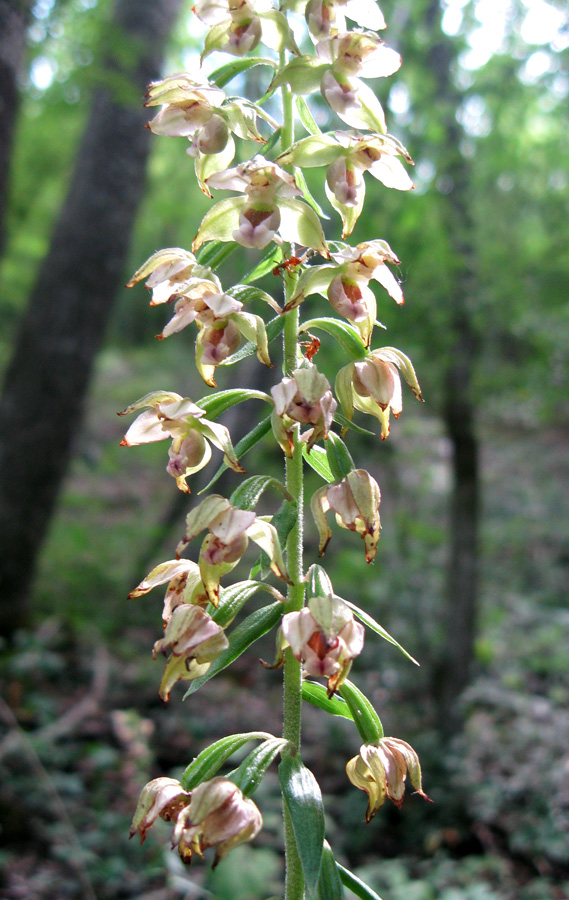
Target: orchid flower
(305, 398)
(171, 416)
(373, 385)
(381, 771)
(237, 26)
(325, 637)
(355, 500)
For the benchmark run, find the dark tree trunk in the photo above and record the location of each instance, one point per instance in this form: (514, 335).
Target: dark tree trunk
(454, 669)
(14, 15)
(62, 329)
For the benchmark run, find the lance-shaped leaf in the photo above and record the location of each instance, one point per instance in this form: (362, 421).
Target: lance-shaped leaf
(339, 457)
(250, 491)
(356, 885)
(303, 800)
(371, 623)
(247, 294)
(253, 768)
(329, 884)
(231, 70)
(218, 403)
(364, 715)
(347, 336)
(317, 695)
(220, 222)
(317, 459)
(216, 253)
(233, 598)
(306, 116)
(241, 638)
(301, 182)
(266, 265)
(210, 760)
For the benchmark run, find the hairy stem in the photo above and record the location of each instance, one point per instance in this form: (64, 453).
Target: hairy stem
(292, 699)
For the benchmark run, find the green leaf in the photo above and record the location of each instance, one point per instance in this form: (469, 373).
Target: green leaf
(272, 143)
(233, 598)
(364, 715)
(317, 695)
(375, 626)
(346, 335)
(306, 116)
(252, 770)
(339, 457)
(215, 254)
(266, 265)
(247, 495)
(245, 444)
(283, 520)
(226, 73)
(342, 420)
(210, 760)
(303, 800)
(318, 461)
(246, 294)
(329, 884)
(246, 633)
(355, 884)
(274, 328)
(218, 403)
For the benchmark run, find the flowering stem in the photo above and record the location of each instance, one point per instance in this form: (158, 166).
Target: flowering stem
(292, 698)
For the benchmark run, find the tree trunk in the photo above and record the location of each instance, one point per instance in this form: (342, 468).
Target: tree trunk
(454, 669)
(14, 16)
(69, 307)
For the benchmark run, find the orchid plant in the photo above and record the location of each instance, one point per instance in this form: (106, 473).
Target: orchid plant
(269, 208)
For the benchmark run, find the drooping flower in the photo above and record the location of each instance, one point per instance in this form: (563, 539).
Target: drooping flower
(327, 17)
(355, 500)
(270, 205)
(348, 155)
(373, 385)
(218, 814)
(200, 112)
(237, 26)
(168, 273)
(171, 416)
(381, 770)
(215, 812)
(305, 398)
(184, 585)
(193, 640)
(325, 637)
(230, 530)
(334, 71)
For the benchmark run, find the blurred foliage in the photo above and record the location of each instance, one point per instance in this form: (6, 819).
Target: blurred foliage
(69, 777)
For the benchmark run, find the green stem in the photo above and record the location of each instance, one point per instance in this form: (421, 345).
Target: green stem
(292, 696)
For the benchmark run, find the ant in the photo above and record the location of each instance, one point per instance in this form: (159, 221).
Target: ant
(312, 346)
(292, 262)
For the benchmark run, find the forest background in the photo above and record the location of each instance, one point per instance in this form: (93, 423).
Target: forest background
(472, 571)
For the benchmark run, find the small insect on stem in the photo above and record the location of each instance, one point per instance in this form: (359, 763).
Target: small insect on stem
(312, 346)
(292, 262)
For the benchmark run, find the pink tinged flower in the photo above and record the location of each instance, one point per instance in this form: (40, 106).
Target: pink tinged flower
(355, 500)
(259, 178)
(258, 223)
(305, 398)
(161, 798)
(341, 95)
(326, 17)
(194, 640)
(373, 386)
(218, 341)
(170, 415)
(360, 53)
(381, 771)
(243, 36)
(350, 295)
(325, 637)
(218, 814)
(167, 272)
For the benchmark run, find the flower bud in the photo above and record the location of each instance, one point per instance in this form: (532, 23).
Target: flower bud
(218, 813)
(381, 771)
(210, 139)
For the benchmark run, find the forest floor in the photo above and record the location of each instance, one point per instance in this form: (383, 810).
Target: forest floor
(83, 728)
